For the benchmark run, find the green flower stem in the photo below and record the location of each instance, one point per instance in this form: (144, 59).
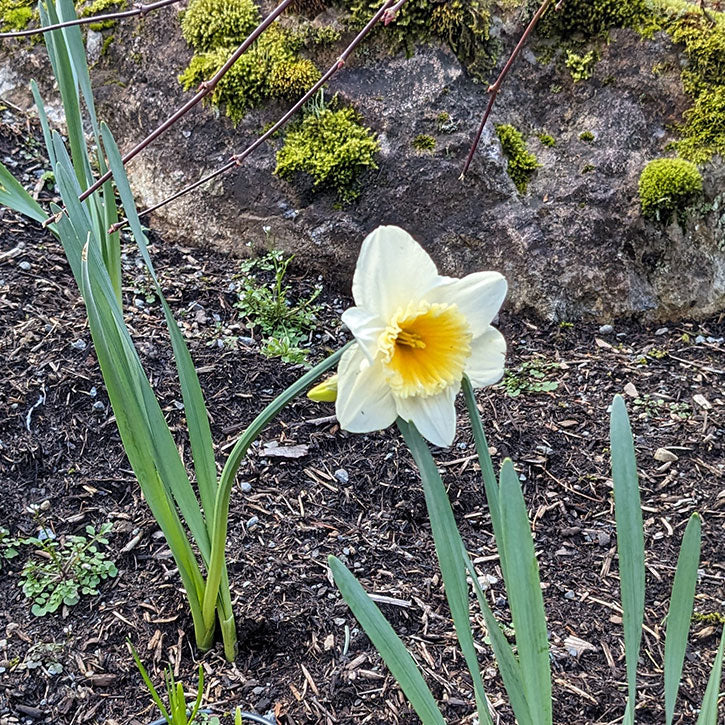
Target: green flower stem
(221, 507)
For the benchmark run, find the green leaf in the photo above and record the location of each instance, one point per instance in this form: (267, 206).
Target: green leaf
(630, 543)
(387, 643)
(508, 665)
(523, 586)
(14, 196)
(708, 712)
(149, 685)
(448, 545)
(680, 612)
(43, 116)
(488, 474)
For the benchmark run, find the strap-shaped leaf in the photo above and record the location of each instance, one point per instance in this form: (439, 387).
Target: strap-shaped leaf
(630, 543)
(448, 544)
(680, 612)
(387, 643)
(14, 196)
(523, 586)
(708, 711)
(508, 665)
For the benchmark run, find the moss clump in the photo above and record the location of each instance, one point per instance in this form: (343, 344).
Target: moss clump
(15, 14)
(521, 163)
(667, 186)
(424, 143)
(292, 78)
(100, 7)
(269, 69)
(580, 67)
(210, 24)
(590, 18)
(333, 147)
(703, 132)
(586, 136)
(547, 139)
(463, 24)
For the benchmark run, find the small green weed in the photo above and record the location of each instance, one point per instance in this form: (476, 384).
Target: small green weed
(649, 406)
(8, 545)
(531, 376)
(268, 306)
(73, 566)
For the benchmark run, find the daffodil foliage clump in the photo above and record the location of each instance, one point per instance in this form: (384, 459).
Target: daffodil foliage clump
(333, 147)
(589, 18)
(271, 68)
(463, 24)
(667, 186)
(521, 162)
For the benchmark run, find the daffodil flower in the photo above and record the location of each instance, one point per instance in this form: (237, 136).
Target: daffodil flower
(417, 334)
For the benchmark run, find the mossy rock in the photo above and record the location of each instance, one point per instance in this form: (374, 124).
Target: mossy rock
(668, 186)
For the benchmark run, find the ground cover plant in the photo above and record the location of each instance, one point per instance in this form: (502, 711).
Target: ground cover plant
(411, 354)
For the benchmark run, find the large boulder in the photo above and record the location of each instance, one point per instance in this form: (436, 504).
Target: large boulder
(573, 246)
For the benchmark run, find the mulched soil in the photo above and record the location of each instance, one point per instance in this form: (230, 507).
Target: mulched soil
(301, 654)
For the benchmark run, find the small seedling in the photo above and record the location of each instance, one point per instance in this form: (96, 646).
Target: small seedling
(9, 545)
(269, 307)
(530, 377)
(68, 568)
(651, 407)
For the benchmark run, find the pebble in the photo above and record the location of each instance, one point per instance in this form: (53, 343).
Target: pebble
(606, 330)
(252, 522)
(699, 339)
(25, 266)
(662, 331)
(98, 405)
(246, 487)
(570, 594)
(342, 475)
(79, 344)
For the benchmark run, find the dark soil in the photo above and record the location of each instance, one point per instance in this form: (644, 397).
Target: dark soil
(301, 654)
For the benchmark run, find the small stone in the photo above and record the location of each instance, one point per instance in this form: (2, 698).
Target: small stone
(79, 344)
(630, 390)
(25, 266)
(699, 339)
(258, 690)
(253, 521)
(246, 487)
(570, 594)
(342, 475)
(665, 456)
(604, 538)
(98, 405)
(606, 330)
(661, 331)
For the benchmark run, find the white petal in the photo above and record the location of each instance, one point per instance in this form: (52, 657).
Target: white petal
(366, 327)
(478, 296)
(434, 417)
(392, 270)
(364, 401)
(488, 355)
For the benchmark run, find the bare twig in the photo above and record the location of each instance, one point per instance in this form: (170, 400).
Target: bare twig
(204, 90)
(238, 159)
(138, 9)
(496, 87)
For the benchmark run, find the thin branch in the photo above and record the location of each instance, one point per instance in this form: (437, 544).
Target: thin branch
(237, 159)
(204, 90)
(494, 89)
(138, 9)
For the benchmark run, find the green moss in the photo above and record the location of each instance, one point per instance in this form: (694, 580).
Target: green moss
(588, 168)
(463, 24)
(667, 186)
(107, 41)
(702, 134)
(547, 139)
(293, 78)
(424, 143)
(269, 69)
(333, 147)
(589, 18)
(17, 18)
(102, 7)
(211, 24)
(521, 163)
(586, 136)
(580, 67)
